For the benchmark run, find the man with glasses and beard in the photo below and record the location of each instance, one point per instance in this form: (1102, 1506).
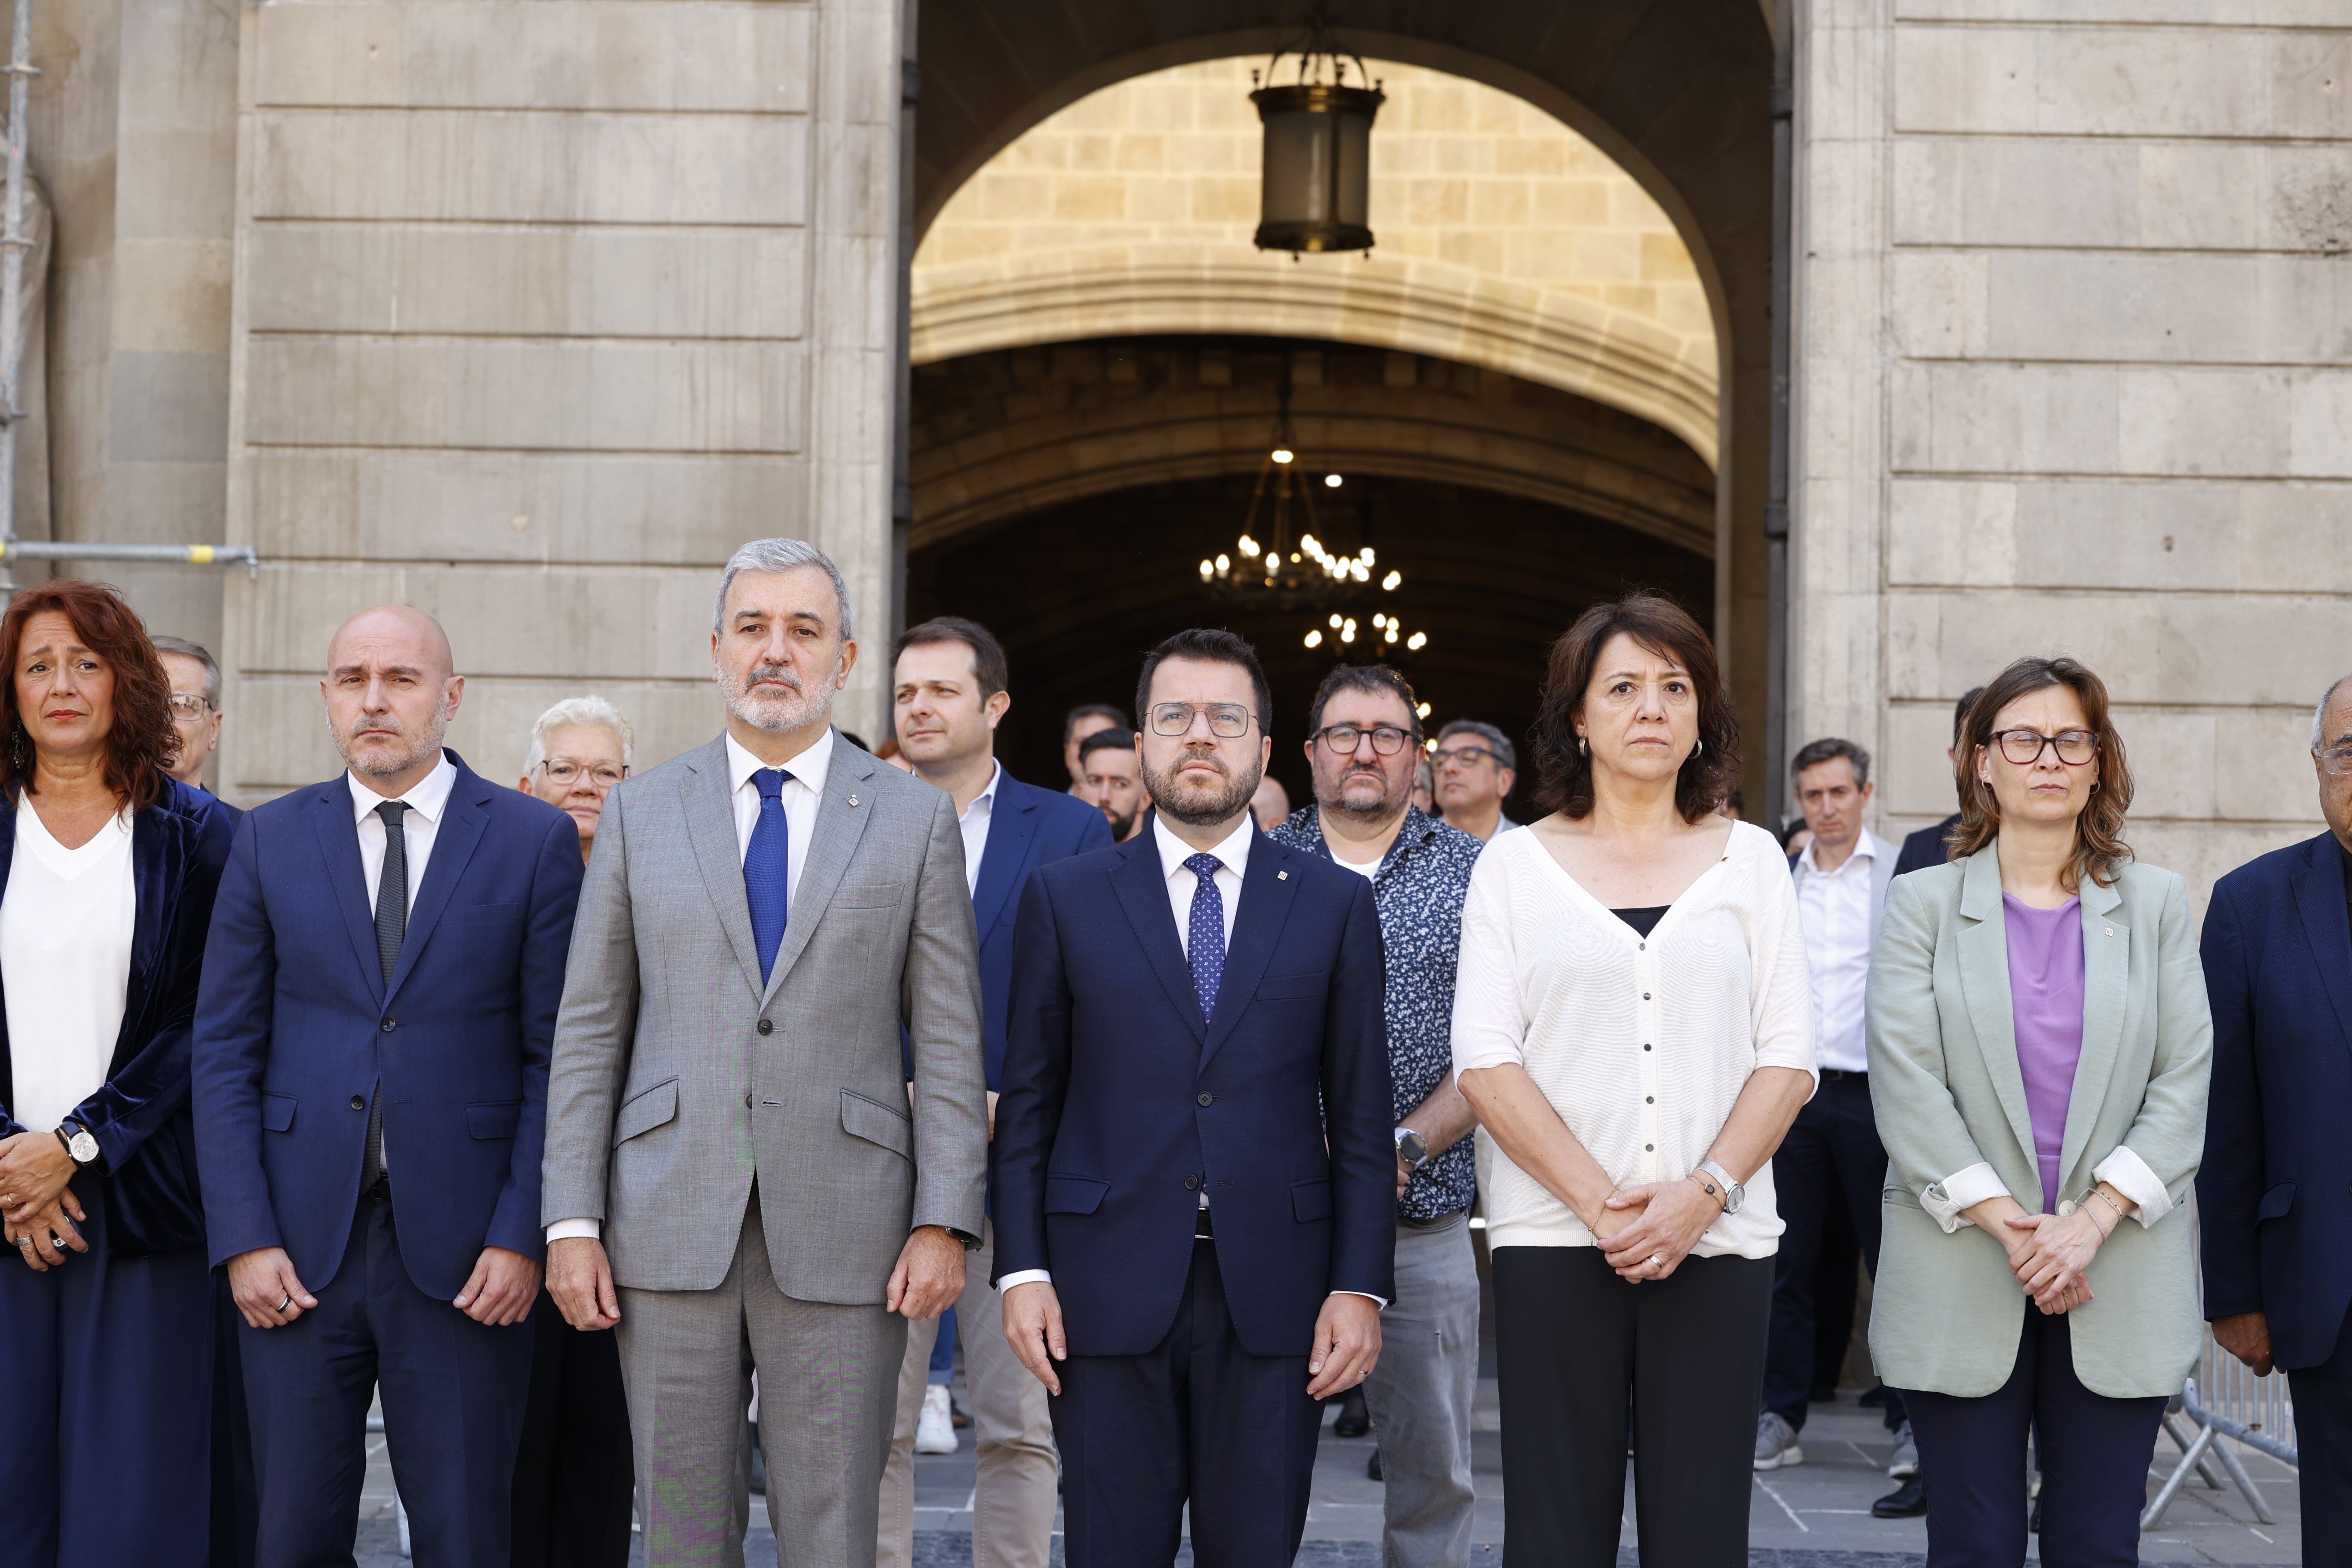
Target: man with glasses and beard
(1188, 1265)
(1363, 744)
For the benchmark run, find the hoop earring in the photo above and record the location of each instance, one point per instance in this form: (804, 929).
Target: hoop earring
(1697, 746)
(1579, 747)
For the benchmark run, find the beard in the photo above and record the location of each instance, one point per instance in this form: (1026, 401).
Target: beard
(1386, 799)
(1200, 804)
(392, 762)
(1121, 826)
(775, 714)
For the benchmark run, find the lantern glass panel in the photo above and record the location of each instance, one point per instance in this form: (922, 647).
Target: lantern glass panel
(1297, 171)
(1353, 135)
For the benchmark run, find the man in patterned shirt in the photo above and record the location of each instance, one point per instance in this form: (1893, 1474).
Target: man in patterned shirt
(1364, 744)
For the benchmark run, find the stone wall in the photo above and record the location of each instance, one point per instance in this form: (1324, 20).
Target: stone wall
(542, 311)
(2073, 321)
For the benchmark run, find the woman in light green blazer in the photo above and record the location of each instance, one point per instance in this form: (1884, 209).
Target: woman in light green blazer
(2039, 1050)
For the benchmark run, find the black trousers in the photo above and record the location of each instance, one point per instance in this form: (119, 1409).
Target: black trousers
(2323, 1430)
(1581, 1352)
(2095, 1455)
(1196, 1419)
(1831, 1164)
(574, 1470)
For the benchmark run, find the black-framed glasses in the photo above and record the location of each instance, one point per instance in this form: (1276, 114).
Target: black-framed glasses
(2023, 748)
(1387, 739)
(568, 773)
(2337, 760)
(1465, 755)
(189, 705)
(1227, 721)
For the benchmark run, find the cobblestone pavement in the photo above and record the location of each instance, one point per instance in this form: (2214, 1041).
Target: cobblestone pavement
(1813, 1515)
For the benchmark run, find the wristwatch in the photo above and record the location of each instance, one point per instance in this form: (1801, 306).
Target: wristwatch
(79, 1142)
(1719, 1185)
(1411, 1148)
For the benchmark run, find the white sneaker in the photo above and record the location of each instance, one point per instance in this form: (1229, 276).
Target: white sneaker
(1905, 1463)
(935, 1429)
(1776, 1443)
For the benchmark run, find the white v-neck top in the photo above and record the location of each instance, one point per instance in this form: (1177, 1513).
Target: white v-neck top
(1640, 1044)
(65, 962)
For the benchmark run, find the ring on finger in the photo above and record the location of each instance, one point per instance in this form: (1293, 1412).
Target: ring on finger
(286, 1303)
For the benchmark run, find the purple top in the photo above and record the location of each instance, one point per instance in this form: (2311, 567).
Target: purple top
(2045, 999)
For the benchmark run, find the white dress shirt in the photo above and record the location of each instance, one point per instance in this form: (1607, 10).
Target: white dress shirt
(65, 930)
(1834, 908)
(1232, 858)
(801, 793)
(975, 825)
(420, 824)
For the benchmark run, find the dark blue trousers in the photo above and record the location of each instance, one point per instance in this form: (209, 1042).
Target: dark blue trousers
(2095, 1456)
(453, 1405)
(2323, 1434)
(1831, 1163)
(1197, 1418)
(109, 1398)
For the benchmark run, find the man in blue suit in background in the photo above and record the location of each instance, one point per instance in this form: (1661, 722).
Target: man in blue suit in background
(2275, 1193)
(948, 684)
(371, 1044)
(1195, 1180)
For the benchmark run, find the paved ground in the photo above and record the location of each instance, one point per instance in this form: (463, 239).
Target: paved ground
(1815, 1515)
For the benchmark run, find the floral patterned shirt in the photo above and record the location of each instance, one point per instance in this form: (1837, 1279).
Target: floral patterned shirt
(1419, 890)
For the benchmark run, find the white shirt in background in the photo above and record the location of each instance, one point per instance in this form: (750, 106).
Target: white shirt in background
(1834, 907)
(66, 926)
(975, 825)
(1641, 1044)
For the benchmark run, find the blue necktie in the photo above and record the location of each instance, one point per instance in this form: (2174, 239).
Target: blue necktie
(767, 868)
(1204, 945)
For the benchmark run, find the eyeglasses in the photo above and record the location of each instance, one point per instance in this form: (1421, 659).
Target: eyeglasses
(2338, 761)
(1387, 739)
(1465, 755)
(2023, 748)
(1227, 721)
(566, 772)
(188, 705)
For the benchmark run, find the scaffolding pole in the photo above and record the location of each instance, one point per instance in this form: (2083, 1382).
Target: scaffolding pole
(13, 246)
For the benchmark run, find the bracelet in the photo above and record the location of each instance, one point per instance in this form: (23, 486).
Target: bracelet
(1706, 1184)
(2100, 1194)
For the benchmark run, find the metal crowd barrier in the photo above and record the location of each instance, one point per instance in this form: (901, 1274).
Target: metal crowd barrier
(2225, 1399)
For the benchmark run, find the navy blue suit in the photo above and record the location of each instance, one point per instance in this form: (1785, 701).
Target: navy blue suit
(297, 1029)
(2274, 1192)
(1027, 828)
(109, 1356)
(1187, 1372)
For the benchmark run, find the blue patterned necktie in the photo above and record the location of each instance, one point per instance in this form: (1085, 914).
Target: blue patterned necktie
(767, 868)
(1204, 945)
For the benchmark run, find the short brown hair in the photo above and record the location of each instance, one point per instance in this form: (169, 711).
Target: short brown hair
(988, 665)
(1564, 773)
(2099, 846)
(142, 743)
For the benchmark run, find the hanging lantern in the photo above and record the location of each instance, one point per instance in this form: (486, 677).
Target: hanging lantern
(1315, 187)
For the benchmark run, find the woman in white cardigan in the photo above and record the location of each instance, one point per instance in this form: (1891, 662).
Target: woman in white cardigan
(1634, 1025)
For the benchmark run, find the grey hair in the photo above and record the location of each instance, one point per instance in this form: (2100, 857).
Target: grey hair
(576, 711)
(2318, 714)
(203, 656)
(1497, 741)
(782, 555)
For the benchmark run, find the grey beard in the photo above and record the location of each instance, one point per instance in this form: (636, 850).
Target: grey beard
(434, 734)
(779, 714)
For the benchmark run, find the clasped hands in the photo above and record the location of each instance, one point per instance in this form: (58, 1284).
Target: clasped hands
(35, 1200)
(1646, 1232)
(2051, 1253)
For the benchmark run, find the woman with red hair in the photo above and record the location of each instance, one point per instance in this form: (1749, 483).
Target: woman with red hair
(108, 867)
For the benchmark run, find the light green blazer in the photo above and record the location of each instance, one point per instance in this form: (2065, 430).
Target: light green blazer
(1946, 1313)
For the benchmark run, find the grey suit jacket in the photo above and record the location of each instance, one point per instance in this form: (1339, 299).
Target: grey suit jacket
(1945, 1083)
(678, 1078)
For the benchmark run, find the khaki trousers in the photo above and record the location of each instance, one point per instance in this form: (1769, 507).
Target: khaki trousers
(1013, 1511)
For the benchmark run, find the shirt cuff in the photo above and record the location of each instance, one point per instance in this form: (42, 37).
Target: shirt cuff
(1380, 1301)
(1025, 1277)
(572, 1229)
(2128, 1174)
(1948, 1200)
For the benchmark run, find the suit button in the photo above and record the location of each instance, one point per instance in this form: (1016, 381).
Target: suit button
(389, 1025)
(1208, 1099)
(359, 1102)
(766, 1028)
(1191, 1183)
(747, 1103)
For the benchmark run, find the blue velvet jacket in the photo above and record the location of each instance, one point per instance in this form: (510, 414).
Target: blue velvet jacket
(140, 1116)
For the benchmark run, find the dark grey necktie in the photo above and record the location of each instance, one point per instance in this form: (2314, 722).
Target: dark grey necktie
(391, 925)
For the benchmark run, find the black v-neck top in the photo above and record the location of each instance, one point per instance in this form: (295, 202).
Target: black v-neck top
(1643, 921)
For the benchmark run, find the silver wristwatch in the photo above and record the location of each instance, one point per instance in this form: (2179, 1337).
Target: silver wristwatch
(1719, 1185)
(79, 1142)
(1411, 1148)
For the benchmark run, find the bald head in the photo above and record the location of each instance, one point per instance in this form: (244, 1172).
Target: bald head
(391, 691)
(2331, 733)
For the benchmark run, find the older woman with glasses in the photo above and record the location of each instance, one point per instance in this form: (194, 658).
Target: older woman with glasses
(579, 750)
(2039, 1050)
(108, 869)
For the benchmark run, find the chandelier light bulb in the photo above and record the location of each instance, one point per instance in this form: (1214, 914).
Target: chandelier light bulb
(1348, 633)
(1423, 712)
(1314, 640)
(1348, 629)
(1418, 641)
(1392, 631)
(1332, 481)
(1225, 562)
(1335, 623)
(1208, 569)
(1281, 454)
(1365, 555)
(1360, 571)
(1246, 545)
(1391, 579)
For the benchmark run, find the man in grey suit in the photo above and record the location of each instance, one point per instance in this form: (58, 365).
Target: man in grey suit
(733, 1174)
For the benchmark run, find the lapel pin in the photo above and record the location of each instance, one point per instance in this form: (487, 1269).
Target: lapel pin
(2111, 931)
(1282, 876)
(853, 800)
